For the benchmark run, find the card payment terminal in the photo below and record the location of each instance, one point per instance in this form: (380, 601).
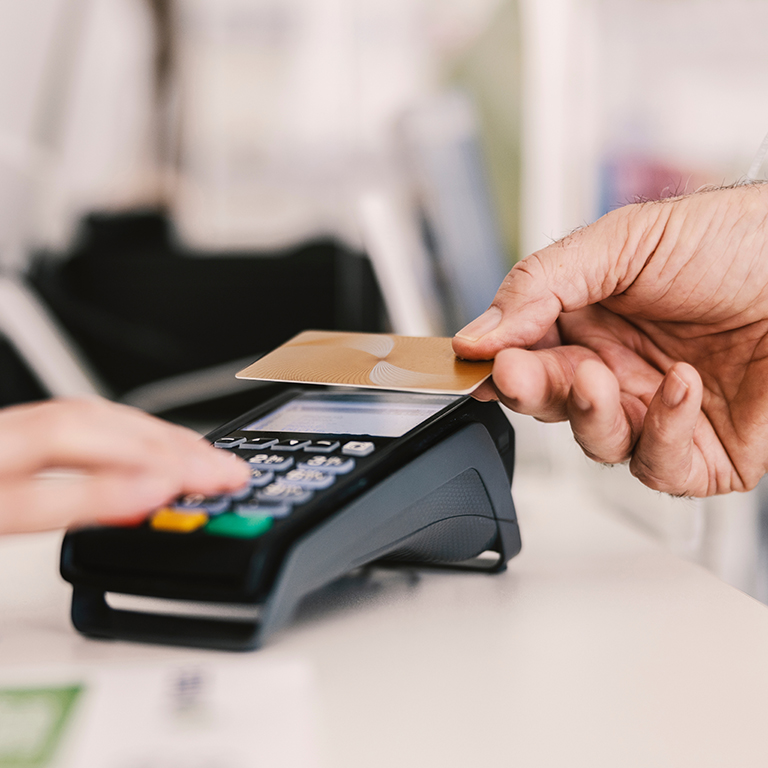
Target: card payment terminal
(339, 479)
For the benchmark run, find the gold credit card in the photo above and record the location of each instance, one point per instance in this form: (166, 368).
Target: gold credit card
(374, 360)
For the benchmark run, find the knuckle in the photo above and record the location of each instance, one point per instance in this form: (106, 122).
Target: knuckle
(530, 270)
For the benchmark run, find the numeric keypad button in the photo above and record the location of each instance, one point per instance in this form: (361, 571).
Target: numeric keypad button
(290, 445)
(276, 510)
(256, 443)
(284, 492)
(311, 479)
(242, 493)
(173, 521)
(334, 465)
(239, 526)
(228, 442)
(322, 446)
(196, 502)
(271, 462)
(358, 448)
(261, 477)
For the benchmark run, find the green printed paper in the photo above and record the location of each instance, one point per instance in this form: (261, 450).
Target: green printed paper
(32, 721)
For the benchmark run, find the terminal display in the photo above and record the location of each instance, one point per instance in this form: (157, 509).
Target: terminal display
(378, 414)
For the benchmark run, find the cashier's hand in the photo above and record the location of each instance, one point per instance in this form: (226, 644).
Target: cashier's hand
(647, 330)
(80, 461)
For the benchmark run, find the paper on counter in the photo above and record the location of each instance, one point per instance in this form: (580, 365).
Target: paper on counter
(214, 713)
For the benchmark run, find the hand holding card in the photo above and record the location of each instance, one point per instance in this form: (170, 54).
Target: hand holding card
(371, 360)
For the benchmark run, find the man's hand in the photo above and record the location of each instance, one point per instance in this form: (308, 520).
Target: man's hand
(647, 330)
(111, 464)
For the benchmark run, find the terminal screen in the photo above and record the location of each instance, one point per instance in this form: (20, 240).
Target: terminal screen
(379, 414)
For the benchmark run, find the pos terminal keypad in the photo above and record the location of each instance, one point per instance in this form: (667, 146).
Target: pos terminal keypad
(286, 474)
(338, 480)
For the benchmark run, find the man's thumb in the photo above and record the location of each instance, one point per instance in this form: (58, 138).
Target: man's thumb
(585, 267)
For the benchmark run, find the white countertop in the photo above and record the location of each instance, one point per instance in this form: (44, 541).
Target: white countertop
(595, 648)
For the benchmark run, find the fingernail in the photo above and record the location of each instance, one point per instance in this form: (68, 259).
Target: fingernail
(673, 390)
(487, 322)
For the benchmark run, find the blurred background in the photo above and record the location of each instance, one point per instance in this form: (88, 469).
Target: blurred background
(185, 184)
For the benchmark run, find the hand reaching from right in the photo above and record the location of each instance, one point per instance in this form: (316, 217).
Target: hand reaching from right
(648, 331)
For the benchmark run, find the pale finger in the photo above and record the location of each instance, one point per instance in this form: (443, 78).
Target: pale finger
(93, 435)
(39, 504)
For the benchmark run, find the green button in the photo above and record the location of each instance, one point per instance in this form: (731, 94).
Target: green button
(239, 527)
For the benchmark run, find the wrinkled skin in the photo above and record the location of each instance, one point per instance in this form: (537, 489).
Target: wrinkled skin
(113, 464)
(647, 331)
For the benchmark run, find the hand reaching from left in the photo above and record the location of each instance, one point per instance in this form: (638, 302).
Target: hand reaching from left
(112, 463)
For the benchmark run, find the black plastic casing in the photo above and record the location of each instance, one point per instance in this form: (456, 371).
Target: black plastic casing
(439, 495)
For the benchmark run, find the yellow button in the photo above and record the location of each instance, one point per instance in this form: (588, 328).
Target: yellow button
(167, 519)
